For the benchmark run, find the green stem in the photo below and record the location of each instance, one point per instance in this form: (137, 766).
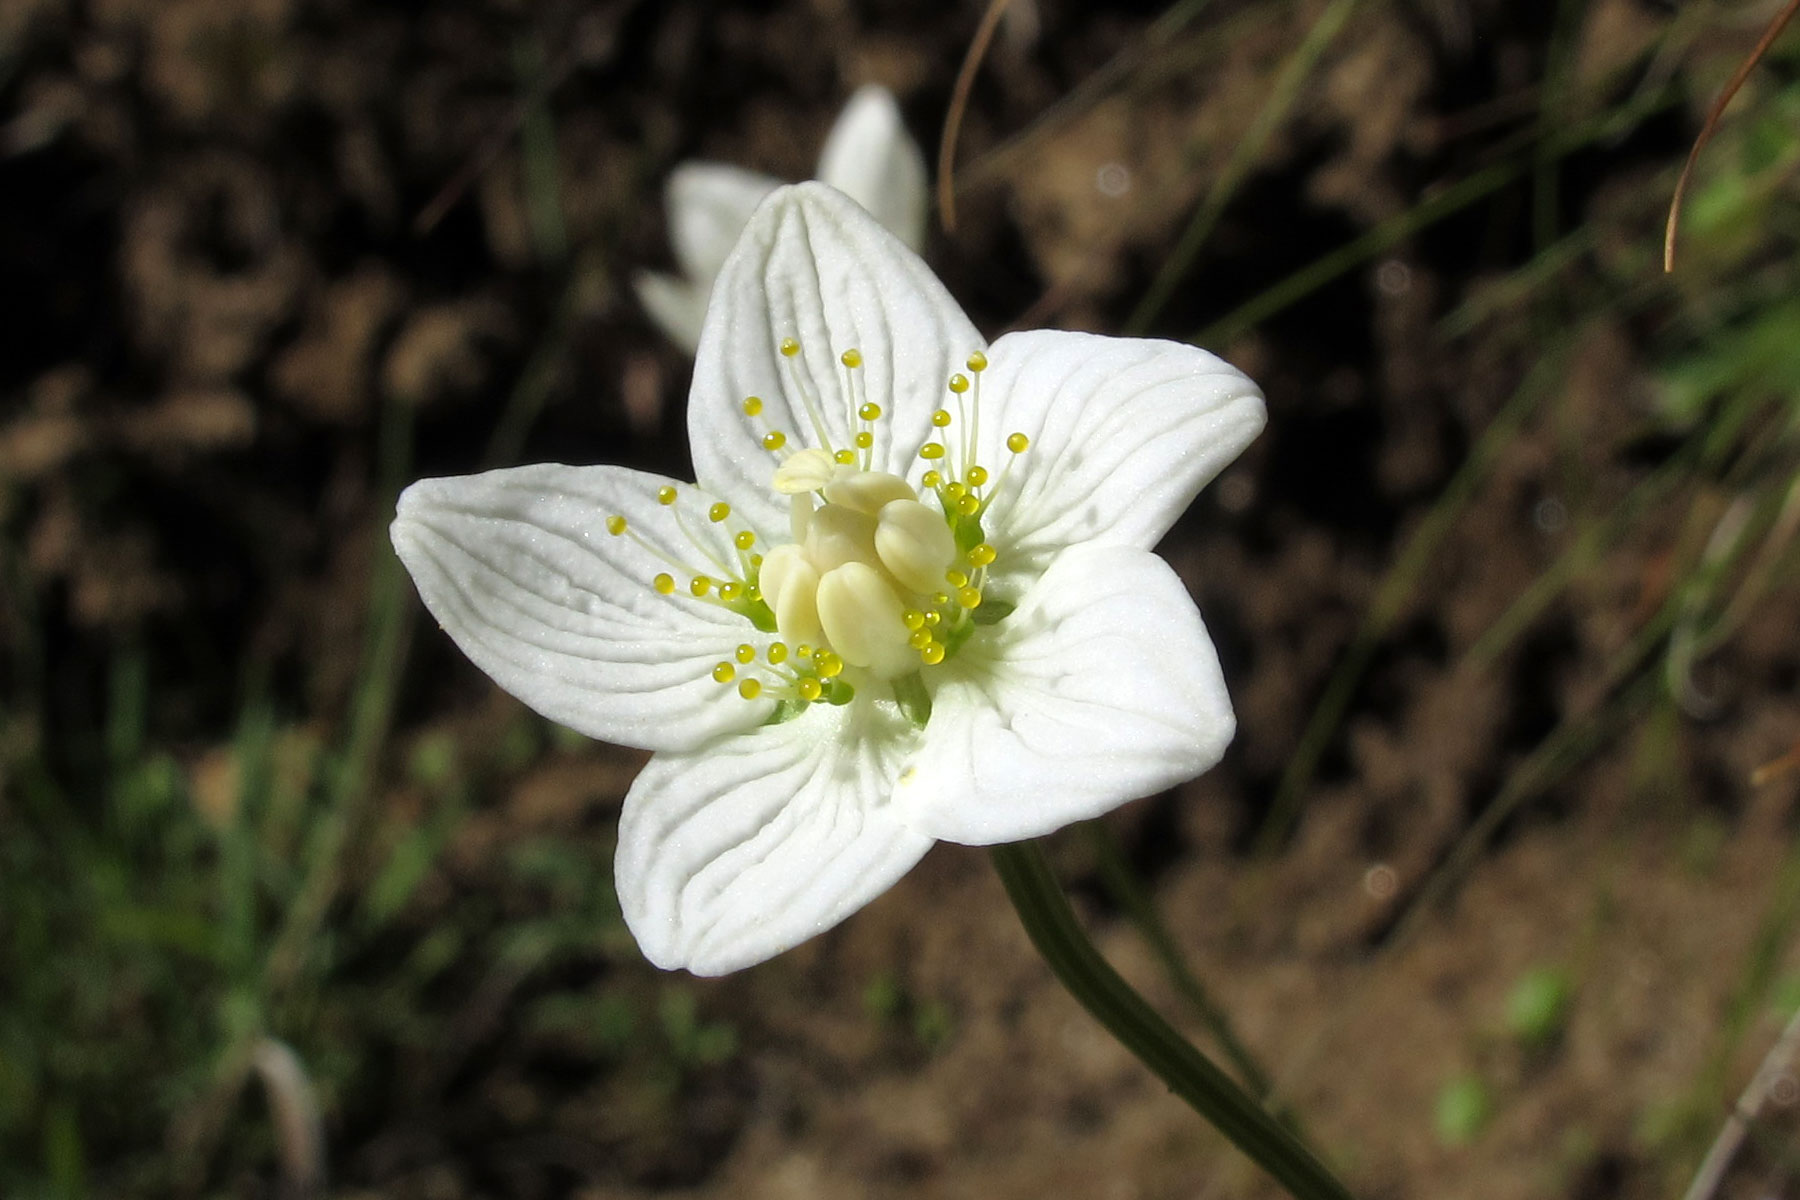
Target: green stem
(1051, 923)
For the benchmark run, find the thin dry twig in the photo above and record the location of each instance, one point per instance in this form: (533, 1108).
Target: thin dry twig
(959, 104)
(1712, 123)
(1776, 1066)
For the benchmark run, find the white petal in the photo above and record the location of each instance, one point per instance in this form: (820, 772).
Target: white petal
(871, 158)
(815, 267)
(518, 568)
(677, 306)
(1101, 688)
(732, 854)
(708, 205)
(1124, 432)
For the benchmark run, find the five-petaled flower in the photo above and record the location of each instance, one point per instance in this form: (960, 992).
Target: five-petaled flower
(910, 598)
(868, 155)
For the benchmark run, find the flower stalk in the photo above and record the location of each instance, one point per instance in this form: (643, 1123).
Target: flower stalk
(1044, 911)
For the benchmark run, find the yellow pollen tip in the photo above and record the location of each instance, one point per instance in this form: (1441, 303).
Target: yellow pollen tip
(959, 383)
(789, 347)
(752, 406)
(730, 590)
(982, 555)
(956, 579)
(933, 617)
(912, 618)
(718, 512)
(939, 599)
(724, 673)
(809, 690)
(977, 476)
(940, 418)
(955, 491)
(615, 525)
(969, 597)
(933, 654)
(851, 359)
(845, 457)
(746, 653)
(931, 451)
(919, 639)
(865, 440)
(775, 439)
(1018, 443)
(665, 495)
(968, 506)
(978, 362)
(803, 651)
(830, 665)
(870, 411)
(778, 652)
(700, 585)
(749, 689)
(664, 584)
(744, 540)
(932, 479)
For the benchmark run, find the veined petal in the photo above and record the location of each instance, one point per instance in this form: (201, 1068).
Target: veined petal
(871, 158)
(813, 266)
(518, 567)
(708, 206)
(732, 854)
(1101, 687)
(1124, 433)
(677, 306)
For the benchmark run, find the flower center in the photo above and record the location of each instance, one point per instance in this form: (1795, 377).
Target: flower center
(876, 577)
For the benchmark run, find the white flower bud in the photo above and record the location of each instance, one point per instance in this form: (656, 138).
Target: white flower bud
(837, 535)
(789, 586)
(915, 544)
(867, 491)
(804, 471)
(861, 617)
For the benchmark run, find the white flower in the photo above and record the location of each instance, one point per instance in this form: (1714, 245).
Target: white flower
(868, 156)
(912, 596)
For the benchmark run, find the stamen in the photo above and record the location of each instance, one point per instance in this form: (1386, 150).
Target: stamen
(809, 690)
(982, 554)
(746, 653)
(809, 395)
(774, 440)
(941, 418)
(724, 673)
(664, 584)
(969, 597)
(744, 539)
(777, 652)
(700, 585)
(718, 512)
(749, 689)
(931, 451)
(1018, 443)
(665, 495)
(977, 476)
(933, 654)
(753, 406)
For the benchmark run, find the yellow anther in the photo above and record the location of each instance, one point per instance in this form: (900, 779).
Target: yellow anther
(931, 451)
(1017, 443)
(939, 599)
(730, 590)
(718, 512)
(778, 652)
(978, 362)
(846, 457)
(955, 491)
(830, 665)
(789, 347)
(615, 525)
(956, 579)
(919, 639)
(864, 440)
(870, 411)
(932, 479)
(724, 673)
(982, 555)
(933, 654)
(665, 495)
(969, 597)
(851, 359)
(809, 690)
(912, 618)
(664, 584)
(940, 418)
(749, 689)
(752, 406)
(968, 506)
(700, 585)
(803, 651)
(977, 476)
(959, 383)
(744, 540)
(933, 617)
(775, 439)
(746, 653)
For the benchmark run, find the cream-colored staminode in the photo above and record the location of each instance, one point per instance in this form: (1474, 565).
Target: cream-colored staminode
(910, 596)
(869, 156)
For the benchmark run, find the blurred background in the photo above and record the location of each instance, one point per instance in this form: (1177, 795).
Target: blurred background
(1496, 893)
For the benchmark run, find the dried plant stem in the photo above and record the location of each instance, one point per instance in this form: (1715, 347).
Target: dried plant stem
(1058, 936)
(1712, 123)
(959, 104)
